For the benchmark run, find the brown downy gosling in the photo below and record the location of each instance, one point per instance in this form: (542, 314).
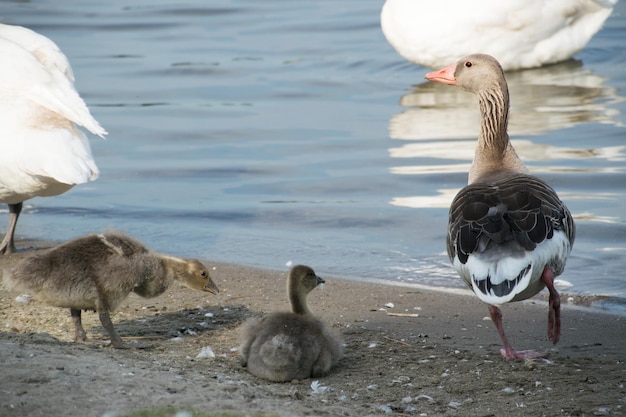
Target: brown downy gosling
(285, 346)
(97, 272)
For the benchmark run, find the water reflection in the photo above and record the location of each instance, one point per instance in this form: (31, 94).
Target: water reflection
(444, 198)
(526, 149)
(542, 99)
(442, 122)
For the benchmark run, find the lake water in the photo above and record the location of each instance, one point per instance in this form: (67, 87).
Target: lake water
(269, 132)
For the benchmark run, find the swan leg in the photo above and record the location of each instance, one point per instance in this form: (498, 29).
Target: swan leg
(79, 332)
(116, 340)
(554, 306)
(508, 352)
(8, 244)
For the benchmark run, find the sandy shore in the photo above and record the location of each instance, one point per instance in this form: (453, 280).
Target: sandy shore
(430, 354)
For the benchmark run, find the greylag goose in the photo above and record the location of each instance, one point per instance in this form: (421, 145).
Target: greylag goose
(284, 346)
(97, 272)
(519, 33)
(509, 234)
(42, 152)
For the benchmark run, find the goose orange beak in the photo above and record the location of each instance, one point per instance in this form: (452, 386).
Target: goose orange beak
(443, 76)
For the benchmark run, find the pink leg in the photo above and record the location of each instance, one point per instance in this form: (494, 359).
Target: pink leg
(508, 352)
(554, 306)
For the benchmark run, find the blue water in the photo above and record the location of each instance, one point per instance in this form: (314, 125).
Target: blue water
(263, 133)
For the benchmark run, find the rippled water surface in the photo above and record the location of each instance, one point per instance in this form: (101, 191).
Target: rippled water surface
(266, 132)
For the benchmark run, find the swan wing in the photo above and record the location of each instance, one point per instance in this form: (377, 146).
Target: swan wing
(44, 49)
(34, 85)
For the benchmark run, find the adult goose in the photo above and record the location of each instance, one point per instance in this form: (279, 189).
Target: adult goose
(509, 234)
(42, 151)
(292, 345)
(519, 33)
(97, 272)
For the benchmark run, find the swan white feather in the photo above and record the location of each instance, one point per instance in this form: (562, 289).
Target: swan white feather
(518, 33)
(43, 151)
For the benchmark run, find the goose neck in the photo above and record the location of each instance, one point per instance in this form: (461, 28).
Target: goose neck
(173, 267)
(494, 153)
(298, 302)
(494, 111)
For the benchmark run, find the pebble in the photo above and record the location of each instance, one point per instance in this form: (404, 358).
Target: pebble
(23, 299)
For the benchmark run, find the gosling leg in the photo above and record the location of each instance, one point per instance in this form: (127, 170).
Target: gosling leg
(79, 332)
(322, 365)
(116, 340)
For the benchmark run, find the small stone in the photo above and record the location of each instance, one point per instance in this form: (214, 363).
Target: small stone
(23, 299)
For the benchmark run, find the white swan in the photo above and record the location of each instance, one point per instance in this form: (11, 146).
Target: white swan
(42, 152)
(518, 33)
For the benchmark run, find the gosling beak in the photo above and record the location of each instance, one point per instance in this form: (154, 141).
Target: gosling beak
(320, 280)
(443, 76)
(211, 287)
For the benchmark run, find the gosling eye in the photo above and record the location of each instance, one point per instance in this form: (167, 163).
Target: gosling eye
(468, 64)
(204, 274)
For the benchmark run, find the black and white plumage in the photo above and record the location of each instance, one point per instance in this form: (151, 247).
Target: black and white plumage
(284, 346)
(509, 234)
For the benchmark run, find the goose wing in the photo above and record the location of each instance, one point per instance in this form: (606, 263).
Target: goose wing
(502, 234)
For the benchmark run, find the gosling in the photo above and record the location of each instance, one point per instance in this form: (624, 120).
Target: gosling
(97, 272)
(286, 346)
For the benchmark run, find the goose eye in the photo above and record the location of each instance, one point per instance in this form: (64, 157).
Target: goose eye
(468, 64)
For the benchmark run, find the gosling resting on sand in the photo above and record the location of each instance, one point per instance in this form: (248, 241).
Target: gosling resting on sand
(286, 346)
(97, 272)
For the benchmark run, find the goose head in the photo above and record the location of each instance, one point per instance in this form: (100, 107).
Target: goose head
(303, 279)
(193, 274)
(474, 73)
(482, 75)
